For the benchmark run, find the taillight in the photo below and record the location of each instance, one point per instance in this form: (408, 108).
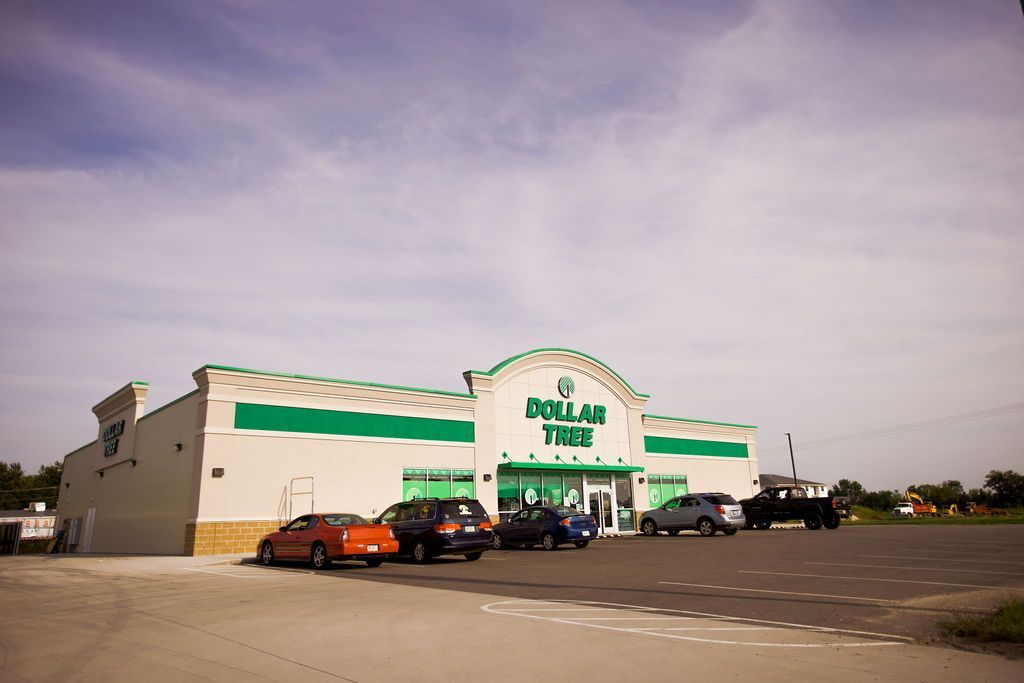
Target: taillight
(833, 502)
(391, 531)
(565, 522)
(485, 525)
(344, 536)
(447, 528)
(720, 509)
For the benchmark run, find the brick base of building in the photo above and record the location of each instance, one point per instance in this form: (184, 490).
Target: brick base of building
(219, 538)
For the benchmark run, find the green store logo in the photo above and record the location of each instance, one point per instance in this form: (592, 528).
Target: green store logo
(566, 386)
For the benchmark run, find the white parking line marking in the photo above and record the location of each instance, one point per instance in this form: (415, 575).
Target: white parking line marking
(904, 567)
(762, 590)
(510, 608)
(939, 559)
(864, 578)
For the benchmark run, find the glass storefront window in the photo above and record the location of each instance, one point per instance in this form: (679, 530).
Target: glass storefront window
(572, 485)
(530, 488)
(599, 479)
(551, 489)
(654, 491)
(663, 487)
(462, 483)
(624, 501)
(508, 495)
(439, 484)
(414, 483)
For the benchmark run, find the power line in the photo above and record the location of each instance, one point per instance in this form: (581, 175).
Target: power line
(900, 429)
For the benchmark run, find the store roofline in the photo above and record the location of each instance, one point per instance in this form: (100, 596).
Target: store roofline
(604, 365)
(703, 422)
(335, 380)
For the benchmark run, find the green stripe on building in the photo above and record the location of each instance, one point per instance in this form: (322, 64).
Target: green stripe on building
(718, 449)
(344, 423)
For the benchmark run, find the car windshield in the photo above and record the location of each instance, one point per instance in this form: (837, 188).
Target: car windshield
(720, 499)
(343, 520)
(460, 509)
(568, 512)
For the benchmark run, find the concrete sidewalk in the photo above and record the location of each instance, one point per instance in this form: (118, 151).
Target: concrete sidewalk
(177, 618)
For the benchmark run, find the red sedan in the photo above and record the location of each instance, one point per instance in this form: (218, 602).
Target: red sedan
(323, 537)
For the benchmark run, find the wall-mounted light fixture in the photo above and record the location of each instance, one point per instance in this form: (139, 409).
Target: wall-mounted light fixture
(67, 484)
(178, 447)
(218, 472)
(133, 462)
(755, 482)
(99, 474)
(487, 477)
(641, 480)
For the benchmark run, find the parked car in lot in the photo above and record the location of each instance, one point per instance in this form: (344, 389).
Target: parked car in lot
(548, 527)
(706, 513)
(321, 538)
(428, 527)
(843, 506)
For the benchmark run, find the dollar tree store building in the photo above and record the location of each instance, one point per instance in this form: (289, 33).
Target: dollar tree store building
(247, 450)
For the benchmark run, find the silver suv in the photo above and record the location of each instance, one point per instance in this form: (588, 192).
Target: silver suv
(703, 512)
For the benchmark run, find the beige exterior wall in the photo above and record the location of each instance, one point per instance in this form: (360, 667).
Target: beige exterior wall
(154, 497)
(141, 507)
(734, 476)
(349, 473)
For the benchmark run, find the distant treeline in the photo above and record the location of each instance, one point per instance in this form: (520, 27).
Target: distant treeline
(18, 489)
(1001, 489)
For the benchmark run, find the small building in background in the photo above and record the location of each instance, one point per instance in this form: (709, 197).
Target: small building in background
(815, 489)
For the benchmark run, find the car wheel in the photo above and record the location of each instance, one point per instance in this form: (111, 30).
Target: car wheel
(374, 562)
(706, 527)
(548, 542)
(812, 521)
(581, 544)
(318, 556)
(832, 522)
(763, 524)
(420, 553)
(729, 532)
(649, 527)
(498, 542)
(474, 556)
(267, 553)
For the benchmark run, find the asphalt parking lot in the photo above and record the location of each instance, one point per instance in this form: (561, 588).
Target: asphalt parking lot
(854, 604)
(893, 581)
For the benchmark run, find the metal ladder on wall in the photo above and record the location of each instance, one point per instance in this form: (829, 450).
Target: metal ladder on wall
(292, 493)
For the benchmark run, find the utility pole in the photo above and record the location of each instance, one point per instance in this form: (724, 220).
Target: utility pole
(791, 460)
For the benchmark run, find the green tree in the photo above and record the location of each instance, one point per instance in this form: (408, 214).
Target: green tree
(1007, 487)
(851, 489)
(881, 500)
(17, 489)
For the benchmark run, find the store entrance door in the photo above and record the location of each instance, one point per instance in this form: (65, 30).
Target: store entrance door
(601, 504)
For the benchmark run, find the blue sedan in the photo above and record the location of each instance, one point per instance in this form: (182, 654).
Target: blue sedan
(547, 526)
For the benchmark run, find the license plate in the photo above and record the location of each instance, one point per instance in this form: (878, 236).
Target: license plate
(469, 529)
(372, 548)
(586, 533)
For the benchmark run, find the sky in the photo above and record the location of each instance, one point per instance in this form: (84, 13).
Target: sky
(805, 216)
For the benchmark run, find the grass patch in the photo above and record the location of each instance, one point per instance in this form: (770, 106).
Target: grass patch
(871, 516)
(1006, 624)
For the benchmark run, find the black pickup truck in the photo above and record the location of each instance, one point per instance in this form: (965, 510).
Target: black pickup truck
(782, 503)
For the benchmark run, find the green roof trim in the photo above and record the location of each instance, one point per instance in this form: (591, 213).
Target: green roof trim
(703, 422)
(374, 385)
(664, 445)
(534, 465)
(513, 359)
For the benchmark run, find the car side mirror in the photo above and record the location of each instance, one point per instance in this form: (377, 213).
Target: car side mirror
(282, 528)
